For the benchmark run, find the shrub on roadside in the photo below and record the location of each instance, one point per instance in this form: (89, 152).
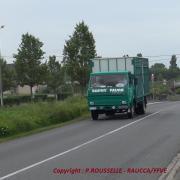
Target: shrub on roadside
(178, 91)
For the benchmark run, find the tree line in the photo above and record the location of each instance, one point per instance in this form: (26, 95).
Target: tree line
(162, 72)
(31, 68)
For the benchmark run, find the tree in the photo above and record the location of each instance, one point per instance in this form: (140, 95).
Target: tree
(173, 71)
(28, 64)
(8, 75)
(55, 76)
(159, 70)
(78, 51)
(173, 63)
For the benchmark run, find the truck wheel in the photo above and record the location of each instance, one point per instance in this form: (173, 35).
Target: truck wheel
(142, 108)
(131, 113)
(137, 109)
(94, 115)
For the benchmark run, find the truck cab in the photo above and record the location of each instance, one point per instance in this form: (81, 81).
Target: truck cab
(110, 93)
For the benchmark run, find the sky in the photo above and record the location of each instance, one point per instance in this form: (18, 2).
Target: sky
(118, 26)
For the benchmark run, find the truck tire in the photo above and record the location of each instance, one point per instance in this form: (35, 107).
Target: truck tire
(131, 113)
(94, 115)
(142, 108)
(137, 110)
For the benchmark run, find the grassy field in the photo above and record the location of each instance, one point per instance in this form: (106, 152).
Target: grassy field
(175, 97)
(29, 117)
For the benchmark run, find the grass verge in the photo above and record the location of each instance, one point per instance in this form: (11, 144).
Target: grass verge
(175, 97)
(39, 130)
(32, 118)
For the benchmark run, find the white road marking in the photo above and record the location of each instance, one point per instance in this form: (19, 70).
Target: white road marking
(76, 147)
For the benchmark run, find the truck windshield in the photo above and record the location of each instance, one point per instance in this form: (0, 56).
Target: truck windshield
(108, 80)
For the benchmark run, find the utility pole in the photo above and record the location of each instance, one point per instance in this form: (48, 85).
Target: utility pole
(1, 85)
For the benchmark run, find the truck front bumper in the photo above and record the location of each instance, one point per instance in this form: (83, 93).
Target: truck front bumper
(102, 109)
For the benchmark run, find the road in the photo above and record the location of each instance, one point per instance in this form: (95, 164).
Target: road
(151, 140)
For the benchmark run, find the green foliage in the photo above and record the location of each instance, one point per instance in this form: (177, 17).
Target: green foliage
(173, 73)
(29, 68)
(8, 75)
(55, 74)
(159, 70)
(178, 91)
(17, 100)
(24, 118)
(78, 51)
(159, 89)
(173, 61)
(40, 97)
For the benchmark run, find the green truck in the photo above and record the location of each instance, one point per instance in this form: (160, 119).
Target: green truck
(118, 85)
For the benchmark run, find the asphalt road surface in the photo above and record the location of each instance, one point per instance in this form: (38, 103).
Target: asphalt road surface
(147, 141)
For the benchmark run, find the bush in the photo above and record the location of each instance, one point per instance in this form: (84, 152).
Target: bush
(4, 131)
(16, 100)
(159, 90)
(51, 98)
(26, 117)
(40, 97)
(62, 96)
(178, 91)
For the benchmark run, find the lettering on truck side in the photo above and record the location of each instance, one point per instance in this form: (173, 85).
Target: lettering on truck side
(98, 90)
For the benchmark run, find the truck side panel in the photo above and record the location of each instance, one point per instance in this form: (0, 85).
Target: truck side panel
(141, 72)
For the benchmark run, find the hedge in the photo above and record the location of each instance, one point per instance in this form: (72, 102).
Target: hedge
(16, 100)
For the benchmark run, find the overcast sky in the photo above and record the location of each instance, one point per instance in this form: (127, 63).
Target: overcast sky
(119, 26)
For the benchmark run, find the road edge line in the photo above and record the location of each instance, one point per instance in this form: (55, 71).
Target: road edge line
(172, 169)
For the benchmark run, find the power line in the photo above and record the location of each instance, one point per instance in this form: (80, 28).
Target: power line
(161, 55)
(43, 56)
(159, 60)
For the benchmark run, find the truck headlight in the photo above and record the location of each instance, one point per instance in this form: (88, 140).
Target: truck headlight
(124, 102)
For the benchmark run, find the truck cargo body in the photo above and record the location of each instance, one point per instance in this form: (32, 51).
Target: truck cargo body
(118, 85)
